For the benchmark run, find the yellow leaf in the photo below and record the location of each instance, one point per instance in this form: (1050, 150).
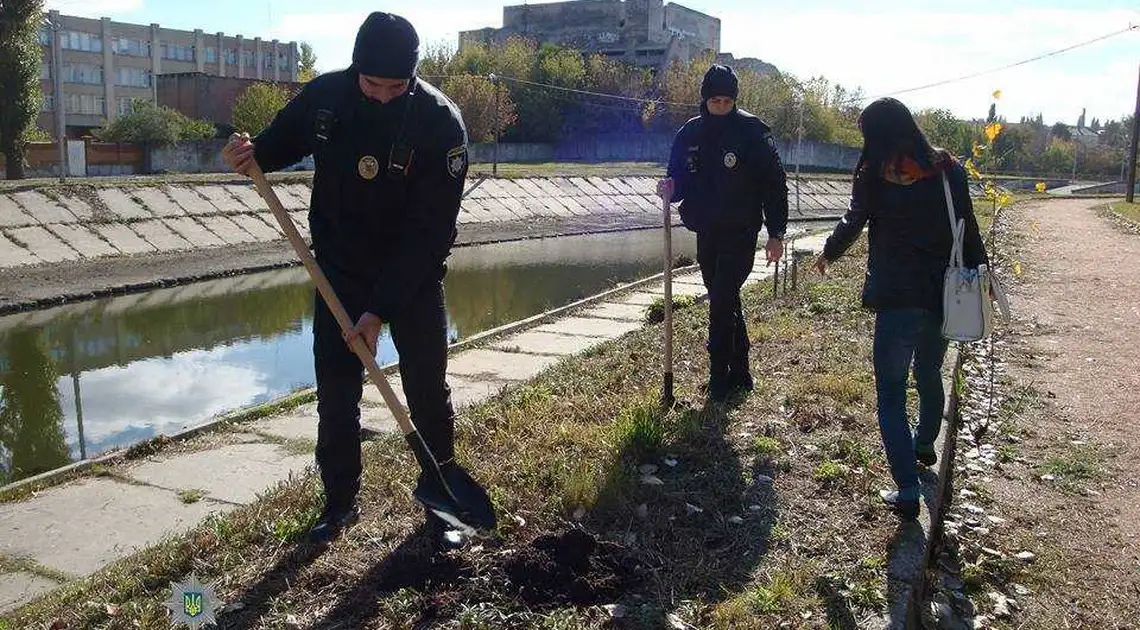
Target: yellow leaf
(972, 170)
(1017, 269)
(992, 131)
(1040, 186)
(978, 150)
(997, 94)
(1005, 199)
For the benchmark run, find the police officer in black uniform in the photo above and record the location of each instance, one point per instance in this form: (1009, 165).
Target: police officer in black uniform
(726, 172)
(391, 159)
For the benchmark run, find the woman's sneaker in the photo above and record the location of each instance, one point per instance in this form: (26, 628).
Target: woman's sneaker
(907, 510)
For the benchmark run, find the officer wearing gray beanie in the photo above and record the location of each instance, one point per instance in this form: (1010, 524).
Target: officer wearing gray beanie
(726, 172)
(390, 155)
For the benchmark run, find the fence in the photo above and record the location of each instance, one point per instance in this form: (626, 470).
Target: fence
(84, 159)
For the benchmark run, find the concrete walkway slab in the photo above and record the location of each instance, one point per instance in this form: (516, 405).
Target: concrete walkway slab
(227, 230)
(620, 186)
(587, 189)
(12, 255)
(83, 240)
(157, 201)
(190, 201)
(467, 392)
(259, 229)
(589, 327)
(300, 194)
(642, 298)
(618, 311)
(247, 194)
(301, 220)
(80, 528)
(296, 424)
(123, 238)
(602, 185)
(270, 220)
(222, 199)
(194, 232)
(42, 208)
(43, 244)
(122, 206)
(21, 587)
(78, 207)
(12, 215)
(236, 473)
(535, 342)
(497, 365)
(161, 237)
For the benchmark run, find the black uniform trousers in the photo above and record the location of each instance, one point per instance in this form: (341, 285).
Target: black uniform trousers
(420, 336)
(726, 260)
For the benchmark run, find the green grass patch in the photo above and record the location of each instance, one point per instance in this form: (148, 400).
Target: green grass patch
(688, 514)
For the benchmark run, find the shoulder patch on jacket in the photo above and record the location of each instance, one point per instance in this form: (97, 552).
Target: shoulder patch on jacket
(456, 160)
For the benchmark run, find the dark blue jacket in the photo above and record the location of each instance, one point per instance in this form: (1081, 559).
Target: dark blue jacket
(728, 176)
(376, 233)
(909, 239)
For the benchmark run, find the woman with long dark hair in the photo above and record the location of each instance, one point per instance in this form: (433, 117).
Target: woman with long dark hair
(898, 193)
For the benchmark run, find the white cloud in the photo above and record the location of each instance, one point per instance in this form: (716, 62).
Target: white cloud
(94, 8)
(885, 50)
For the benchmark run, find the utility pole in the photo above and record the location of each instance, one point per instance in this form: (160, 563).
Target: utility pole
(1130, 189)
(495, 159)
(57, 87)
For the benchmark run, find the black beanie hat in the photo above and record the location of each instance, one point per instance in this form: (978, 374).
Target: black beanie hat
(719, 81)
(386, 47)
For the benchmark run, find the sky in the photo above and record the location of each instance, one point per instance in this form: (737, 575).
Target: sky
(881, 46)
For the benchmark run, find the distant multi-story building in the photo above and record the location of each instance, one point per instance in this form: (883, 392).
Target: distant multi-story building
(647, 33)
(107, 65)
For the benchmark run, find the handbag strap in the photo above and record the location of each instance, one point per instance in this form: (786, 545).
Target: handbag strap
(956, 227)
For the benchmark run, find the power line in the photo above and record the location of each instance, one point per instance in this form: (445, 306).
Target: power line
(798, 83)
(1054, 53)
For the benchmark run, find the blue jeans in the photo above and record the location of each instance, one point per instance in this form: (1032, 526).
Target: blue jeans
(903, 336)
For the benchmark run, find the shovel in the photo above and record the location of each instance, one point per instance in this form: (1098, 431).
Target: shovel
(667, 398)
(449, 492)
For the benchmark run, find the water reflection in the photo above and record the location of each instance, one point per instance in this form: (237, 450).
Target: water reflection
(80, 380)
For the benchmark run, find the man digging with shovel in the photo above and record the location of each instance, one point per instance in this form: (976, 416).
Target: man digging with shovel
(391, 158)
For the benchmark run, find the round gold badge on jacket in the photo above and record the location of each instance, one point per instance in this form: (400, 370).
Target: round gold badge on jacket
(730, 160)
(368, 167)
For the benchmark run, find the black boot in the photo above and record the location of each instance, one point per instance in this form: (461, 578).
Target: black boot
(334, 520)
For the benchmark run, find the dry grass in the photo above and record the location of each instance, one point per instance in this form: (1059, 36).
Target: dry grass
(718, 516)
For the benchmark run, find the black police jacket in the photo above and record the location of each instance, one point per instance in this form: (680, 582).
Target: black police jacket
(909, 239)
(387, 184)
(728, 176)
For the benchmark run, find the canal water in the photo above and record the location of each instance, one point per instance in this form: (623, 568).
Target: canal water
(80, 380)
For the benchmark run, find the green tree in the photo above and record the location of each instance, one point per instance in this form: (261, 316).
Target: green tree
(256, 106)
(1061, 131)
(31, 416)
(308, 63)
(475, 95)
(19, 79)
(1058, 157)
(153, 124)
(944, 130)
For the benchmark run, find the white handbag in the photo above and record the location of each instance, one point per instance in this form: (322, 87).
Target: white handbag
(967, 312)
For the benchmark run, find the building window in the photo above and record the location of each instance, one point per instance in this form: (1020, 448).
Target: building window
(45, 36)
(82, 73)
(211, 54)
(126, 105)
(177, 53)
(45, 71)
(247, 58)
(131, 47)
(282, 61)
(267, 61)
(76, 40)
(133, 77)
(48, 103)
(231, 57)
(87, 104)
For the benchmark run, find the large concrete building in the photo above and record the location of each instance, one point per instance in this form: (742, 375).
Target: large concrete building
(644, 32)
(106, 65)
